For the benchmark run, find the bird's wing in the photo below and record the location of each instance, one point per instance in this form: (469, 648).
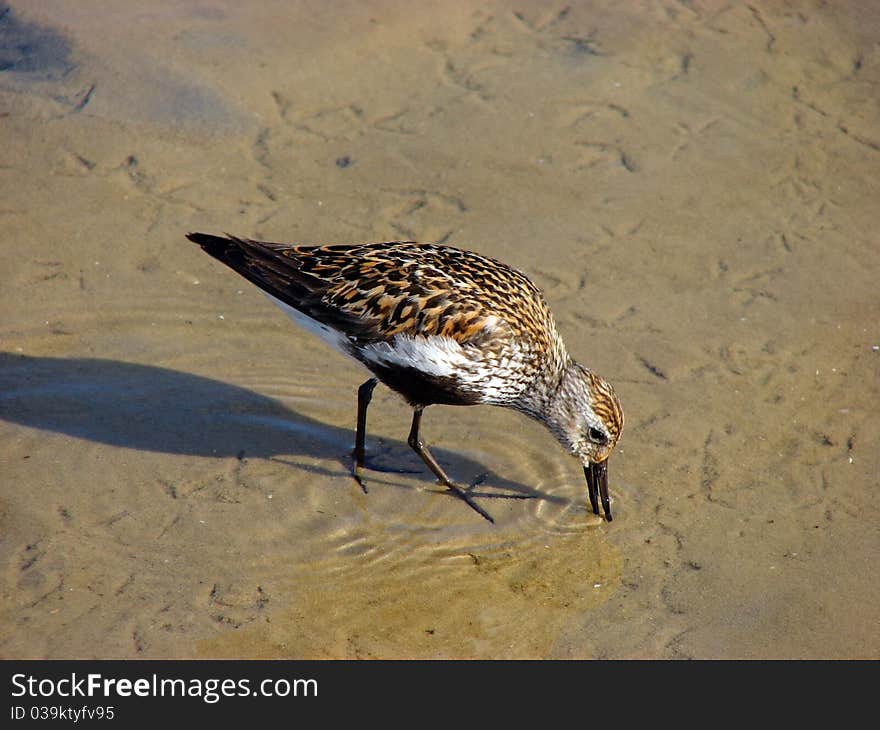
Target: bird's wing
(372, 292)
(281, 276)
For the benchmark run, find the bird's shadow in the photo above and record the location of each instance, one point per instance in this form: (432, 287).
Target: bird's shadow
(157, 409)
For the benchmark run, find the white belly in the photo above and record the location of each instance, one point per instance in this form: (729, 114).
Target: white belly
(435, 355)
(333, 338)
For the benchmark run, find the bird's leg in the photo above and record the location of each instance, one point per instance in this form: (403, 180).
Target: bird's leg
(365, 395)
(418, 445)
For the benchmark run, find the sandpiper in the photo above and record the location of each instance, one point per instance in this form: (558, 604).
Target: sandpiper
(439, 325)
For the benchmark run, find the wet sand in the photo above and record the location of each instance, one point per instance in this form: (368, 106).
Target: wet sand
(693, 184)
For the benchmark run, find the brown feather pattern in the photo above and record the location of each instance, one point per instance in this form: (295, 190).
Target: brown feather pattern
(422, 289)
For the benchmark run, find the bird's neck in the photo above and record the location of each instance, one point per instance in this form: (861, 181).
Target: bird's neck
(544, 401)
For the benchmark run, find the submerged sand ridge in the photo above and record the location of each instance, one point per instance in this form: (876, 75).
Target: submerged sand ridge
(692, 185)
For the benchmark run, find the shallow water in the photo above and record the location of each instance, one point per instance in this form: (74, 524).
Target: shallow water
(693, 185)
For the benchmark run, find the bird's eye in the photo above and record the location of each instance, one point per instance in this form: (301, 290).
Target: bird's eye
(597, 437)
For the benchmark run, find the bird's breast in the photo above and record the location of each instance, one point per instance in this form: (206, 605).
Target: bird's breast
(471, 373)
(436, 368)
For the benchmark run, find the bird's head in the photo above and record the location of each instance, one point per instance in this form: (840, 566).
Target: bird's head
(587, 419)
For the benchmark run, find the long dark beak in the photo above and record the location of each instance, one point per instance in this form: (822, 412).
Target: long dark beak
(597, 485)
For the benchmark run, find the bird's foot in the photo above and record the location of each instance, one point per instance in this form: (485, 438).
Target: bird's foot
(357, 473)
(481, 479)
(373, 463)
(464, 496)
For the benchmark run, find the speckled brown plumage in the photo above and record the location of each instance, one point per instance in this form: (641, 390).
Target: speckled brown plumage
(439, 325)
(420, 289)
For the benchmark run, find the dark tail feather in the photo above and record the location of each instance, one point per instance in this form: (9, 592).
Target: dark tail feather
(261, 265)
(205, 240)
(214, 245)
(279, 275)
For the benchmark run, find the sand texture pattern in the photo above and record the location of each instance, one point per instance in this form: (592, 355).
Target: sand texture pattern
(693, 185)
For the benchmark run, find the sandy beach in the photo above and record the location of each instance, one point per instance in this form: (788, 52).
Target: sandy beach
(694, 186)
